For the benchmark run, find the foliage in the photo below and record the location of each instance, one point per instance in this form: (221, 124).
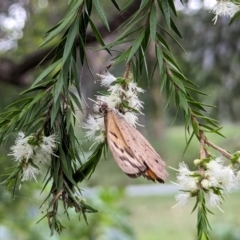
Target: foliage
(49, 109)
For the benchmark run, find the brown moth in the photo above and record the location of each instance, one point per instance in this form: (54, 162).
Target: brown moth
(132, 152)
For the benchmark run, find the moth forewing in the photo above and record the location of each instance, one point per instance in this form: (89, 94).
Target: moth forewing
(132, 152)
(121, 152)
(146, 151)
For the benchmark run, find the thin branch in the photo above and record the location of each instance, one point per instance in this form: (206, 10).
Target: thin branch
(221, 150)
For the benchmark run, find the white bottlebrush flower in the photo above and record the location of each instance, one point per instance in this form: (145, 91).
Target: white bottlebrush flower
(228, 179)
(106, 79)
(112, 101)
(223, 175)
(215, 167)
(212, 180)
(48, 143)
(134, 102)
(133, 88)
(93, 126)
(238, 176)
(185, 179)
(224, 8)
(29, 173)
(213, 200)
(22, 149)
(182, 199)
(131, 118)
(41, 156)
(116, 89)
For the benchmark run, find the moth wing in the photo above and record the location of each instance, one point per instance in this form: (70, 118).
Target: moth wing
(122, 153)
(143, 151)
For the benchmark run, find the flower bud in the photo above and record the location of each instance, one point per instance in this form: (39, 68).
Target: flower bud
(197, 162)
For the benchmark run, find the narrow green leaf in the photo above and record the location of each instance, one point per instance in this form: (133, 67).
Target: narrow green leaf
(235, 17)
(171, 4)
(24, 101)
(98, 35)
(77, 102)
(183, 101)
(195, 90)
(72, 33)
(163, 79)
(153, 22)
(160, 59)
(136, 45)
(122, 57)
(178, 83)
(101, 13)
(174, 39)
(169, 58)
(163, 42)
(54, 111)
(56, 31)
(75, 76)
(164, 6)
(145, 64)
(174, 28)
(127, 4)
(46, 72)
(116, 5)
(58, 86)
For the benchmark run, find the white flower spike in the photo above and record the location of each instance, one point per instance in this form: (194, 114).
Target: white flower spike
(106, 79)
(22, 149)
(224, 8)
(29, 173)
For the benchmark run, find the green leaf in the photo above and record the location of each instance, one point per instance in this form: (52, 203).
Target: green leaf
(195, 128)
(159, 58)
(174, 28)
(57, 30)
(136, 45)
(169, 58)
(153, 22)
(46, 72)
(235, 17)
(127, 4)
(75, 76)
(183, 101)
(101, 13)
(171, 4)
(163, 42)
(174, 39)
(98, 35)
(54, 111)
(116, 5)
(58, 86)
(164, 6)
(195, 90)
(77, 102)
(178, 83)
(122, 57)
(72, 33)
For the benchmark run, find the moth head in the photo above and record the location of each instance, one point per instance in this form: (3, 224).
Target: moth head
(103, 107)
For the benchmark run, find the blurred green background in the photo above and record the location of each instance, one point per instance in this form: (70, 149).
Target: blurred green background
(212, 61)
